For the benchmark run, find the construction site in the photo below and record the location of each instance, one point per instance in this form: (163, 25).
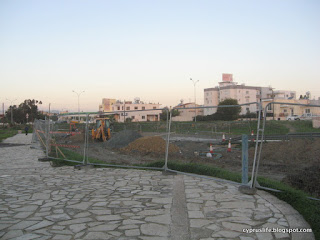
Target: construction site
(294, 160)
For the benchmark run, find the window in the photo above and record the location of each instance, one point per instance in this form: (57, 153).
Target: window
(269, 107)
(154, 107)
(118, 108)
(143, 108)
(285, 110)
(308, 110)
(122, 108)
(127, 108)
(132, 117)
(135, 108)
(143, 117)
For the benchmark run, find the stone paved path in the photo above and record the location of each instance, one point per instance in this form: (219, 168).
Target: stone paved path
(38, 201)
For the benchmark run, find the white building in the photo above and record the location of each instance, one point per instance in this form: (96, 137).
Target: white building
(242, 93)
(284, 94)
(136, 111)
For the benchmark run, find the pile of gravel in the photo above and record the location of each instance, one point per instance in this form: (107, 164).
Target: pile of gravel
(122, 139)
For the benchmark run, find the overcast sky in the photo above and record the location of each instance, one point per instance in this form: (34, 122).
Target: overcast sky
(149, 49)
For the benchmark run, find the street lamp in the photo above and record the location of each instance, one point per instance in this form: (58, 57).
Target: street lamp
(194, 85)
(78, 102)
(11, 108)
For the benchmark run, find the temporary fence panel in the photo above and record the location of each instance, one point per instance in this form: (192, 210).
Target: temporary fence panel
(40, 134)
(214, 140)
(290, 148)
(284, 140)
(139, 140)
(67, 141)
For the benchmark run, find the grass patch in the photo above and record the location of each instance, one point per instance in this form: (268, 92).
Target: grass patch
(6, 133)
(308, 208)
(304, 126)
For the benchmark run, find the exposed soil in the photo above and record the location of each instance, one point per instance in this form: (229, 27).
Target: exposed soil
(296, 162)
(122, 139)
(154, 145)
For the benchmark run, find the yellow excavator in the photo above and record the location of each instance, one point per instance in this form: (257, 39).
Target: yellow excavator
(102, 131)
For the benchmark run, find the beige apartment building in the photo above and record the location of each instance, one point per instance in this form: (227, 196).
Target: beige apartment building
(282, 110)
(106, 105)
(187, 114)
(242, 93)
(136, 111)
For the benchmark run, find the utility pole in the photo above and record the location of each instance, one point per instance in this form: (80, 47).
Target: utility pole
(3, 112)
(78, 94)
(272, 104)
(11, 108)
(194, 86)
(124, 111)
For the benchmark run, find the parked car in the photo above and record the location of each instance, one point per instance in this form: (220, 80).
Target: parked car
(293, 117)
(306, 116)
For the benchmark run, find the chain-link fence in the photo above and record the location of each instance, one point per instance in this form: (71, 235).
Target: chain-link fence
(118, 139)
(213, 141)
(105, 140)
(290, 150)
(282, 143)
(40, 134)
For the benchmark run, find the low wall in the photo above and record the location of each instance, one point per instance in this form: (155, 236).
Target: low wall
(316, 122)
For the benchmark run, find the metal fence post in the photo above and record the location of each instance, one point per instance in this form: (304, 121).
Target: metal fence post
(244, 159)
(47, 126)
(86, 133)
(168, 139)
(253, 176)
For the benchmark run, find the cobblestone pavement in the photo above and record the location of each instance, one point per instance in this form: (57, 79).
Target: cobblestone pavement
(38, 201)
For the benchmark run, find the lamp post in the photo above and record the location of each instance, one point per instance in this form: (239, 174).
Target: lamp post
(194, 85)
(11, 108)
(78, 94)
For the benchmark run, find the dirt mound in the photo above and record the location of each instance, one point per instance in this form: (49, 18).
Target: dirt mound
(150, 145)
(306, 179)
(122, 139)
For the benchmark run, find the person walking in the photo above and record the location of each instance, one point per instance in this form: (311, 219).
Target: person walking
(26, 129)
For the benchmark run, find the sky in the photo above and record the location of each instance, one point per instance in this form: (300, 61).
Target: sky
(123, 49)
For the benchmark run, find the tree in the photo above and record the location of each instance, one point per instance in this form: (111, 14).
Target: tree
(163, 115)
(20, 112)
(228, 113)
(224, 113)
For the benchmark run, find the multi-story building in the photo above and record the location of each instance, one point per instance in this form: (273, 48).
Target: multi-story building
(284, 94)
(187, 114)
(315, 102)
(242, 93)
(106, 105)
(136, 111)
(281, 109)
